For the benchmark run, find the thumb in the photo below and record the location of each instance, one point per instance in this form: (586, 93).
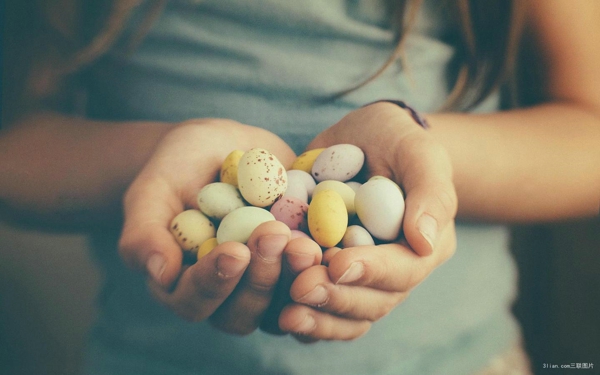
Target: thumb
(146, 243)
(431, 201)
(428, 211)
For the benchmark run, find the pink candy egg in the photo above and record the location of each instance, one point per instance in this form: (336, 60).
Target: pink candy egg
(292, 212)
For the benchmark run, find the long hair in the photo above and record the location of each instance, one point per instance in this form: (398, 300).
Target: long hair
(60, 45)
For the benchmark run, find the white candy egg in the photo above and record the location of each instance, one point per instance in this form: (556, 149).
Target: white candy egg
(354, 185)
(339, 162)
(262, 179)
(298, 179)
(296, 187)
(378, 177)
(218, 199)
(380, 207)
(239, 224)
(357, 236)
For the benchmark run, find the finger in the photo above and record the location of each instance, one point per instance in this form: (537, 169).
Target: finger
(329, 254)
(314, 288)
(431, 201)
(204, 286)
(146, 244)
(299, 254)
(310, 323)
(389, 267)
(243, 311)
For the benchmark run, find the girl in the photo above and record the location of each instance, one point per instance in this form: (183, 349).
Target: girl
(173, 86)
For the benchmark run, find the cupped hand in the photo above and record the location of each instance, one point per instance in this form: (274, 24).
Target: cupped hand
(362, 284)
(234, 282)
(396, 147)
(356, 287)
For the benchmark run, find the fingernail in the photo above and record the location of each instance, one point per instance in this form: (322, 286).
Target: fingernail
(299, 262)
(316, 297)
(156, 265)
(428, 228)
(353, 273)
(230, 266)
(307, 325)
(271, 246)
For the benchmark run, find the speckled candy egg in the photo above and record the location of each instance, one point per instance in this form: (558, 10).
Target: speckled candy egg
(380, 207)
(229, 167)
(218, 199)
(191, 228)
(262, 179)
(305, 161)
(338, 162)
(357, 236)
(292, 212)
(239, 224)
(327, 218)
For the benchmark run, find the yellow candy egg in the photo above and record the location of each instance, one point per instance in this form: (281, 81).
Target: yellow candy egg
(229, 168)
(327, 218)
(342, 189)
(206, 247)
(305, 161)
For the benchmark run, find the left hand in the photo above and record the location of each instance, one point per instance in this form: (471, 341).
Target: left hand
(362, 284)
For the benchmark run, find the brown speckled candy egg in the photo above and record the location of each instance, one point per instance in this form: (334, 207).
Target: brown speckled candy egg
(191, 228)
(262, 178)
(339, 162)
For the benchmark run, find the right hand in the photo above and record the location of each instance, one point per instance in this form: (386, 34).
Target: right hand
(234, 284)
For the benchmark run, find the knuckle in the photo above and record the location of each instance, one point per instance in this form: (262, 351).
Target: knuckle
(127, 248)
(345, 306)
(261, 288)
(212, 294)
(416, 275)
(448, 201)
(211, 290)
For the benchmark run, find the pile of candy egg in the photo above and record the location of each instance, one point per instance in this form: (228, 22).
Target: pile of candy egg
(317, 197)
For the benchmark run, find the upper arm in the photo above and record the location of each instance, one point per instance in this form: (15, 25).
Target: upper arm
(565, 36)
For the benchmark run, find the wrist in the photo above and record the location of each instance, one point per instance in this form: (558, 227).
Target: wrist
(414, 114)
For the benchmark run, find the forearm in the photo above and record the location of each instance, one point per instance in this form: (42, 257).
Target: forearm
(540, 163)
(68, 169)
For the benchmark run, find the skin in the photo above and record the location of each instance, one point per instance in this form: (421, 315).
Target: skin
(534, 164)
